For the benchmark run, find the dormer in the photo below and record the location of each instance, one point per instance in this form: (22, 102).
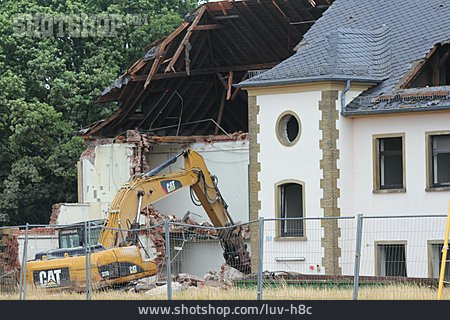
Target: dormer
(432, 71)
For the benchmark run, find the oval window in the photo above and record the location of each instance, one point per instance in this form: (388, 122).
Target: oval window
(288, 128)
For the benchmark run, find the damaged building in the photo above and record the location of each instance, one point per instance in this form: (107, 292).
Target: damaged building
(364, 109)
(182, 93)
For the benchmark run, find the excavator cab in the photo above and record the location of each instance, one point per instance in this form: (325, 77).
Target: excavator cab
(73, 236)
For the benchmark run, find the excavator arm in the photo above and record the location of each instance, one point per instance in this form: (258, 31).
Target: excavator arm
(139, 192)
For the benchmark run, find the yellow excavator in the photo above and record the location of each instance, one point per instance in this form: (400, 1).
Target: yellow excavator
(119, 258)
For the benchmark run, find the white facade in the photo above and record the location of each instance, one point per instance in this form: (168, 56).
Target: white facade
(226, 160)
(111, 168)
(415, 200)
(302, 162)
(99, 180)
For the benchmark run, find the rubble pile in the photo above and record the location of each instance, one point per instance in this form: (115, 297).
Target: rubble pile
(184, 281)
(157, 236)
(9, 259)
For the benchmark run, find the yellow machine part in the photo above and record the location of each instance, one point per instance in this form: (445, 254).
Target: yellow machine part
(108, 267)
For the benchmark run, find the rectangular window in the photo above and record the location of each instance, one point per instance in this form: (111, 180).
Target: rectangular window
(440, 160)
(391, 260)
(436, 260)
(291, 206)
(389, 163)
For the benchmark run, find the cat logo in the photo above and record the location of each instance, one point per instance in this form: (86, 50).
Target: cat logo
(133, 269)
(169, 186)
(51, 278)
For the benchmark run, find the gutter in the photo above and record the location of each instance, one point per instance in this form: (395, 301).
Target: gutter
(394, 111)
(347, 87)
(258, 84)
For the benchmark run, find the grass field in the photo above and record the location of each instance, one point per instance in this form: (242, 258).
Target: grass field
(397, 292)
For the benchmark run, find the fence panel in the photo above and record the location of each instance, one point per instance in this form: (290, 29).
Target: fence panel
(198, 263)
(10, 265)
(400, 257)
(34, 242)
(309, 258)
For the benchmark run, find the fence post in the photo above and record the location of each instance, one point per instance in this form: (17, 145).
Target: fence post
(87, 231)
(359, 226)
(168, 267)
(23, 272)
(260, 256)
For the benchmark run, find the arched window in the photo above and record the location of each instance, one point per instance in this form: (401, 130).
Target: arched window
(290, 204)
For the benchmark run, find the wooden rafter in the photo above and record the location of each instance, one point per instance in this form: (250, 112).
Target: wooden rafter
(206, 27)
(263, 28)
(222, 80)
(229, 84)
(243, 55)
(305, 10)
(162, 52)
(415, 70)
(284, 29)
(240, 36)
(220, 113)
(257, 66)
(274, 2)
(186, 38)
(237, 90)
(154, 107)
(256, 38)
(224, 10)
(210, 49)
(199, 104)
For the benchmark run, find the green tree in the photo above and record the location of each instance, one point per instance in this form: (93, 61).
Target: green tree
(49, 86)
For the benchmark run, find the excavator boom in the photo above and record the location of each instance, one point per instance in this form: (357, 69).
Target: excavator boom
(153, 186)
(119, 258)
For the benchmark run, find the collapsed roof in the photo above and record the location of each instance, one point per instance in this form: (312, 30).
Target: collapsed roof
(184, 83)
(376, 42)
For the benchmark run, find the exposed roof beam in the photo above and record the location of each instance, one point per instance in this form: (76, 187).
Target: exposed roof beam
(229, 84)
(274, 2)
(220, 113)
(233, 16)
(237, 90)
(263, 28)
(198, 72)
(198, 50)
(307, 13)
(281, 27)
(162, 52)
(154, 107)
(199, 105)
(185, 39)
(243, 55)
(253, 45)
(206, 27)
(257, 35)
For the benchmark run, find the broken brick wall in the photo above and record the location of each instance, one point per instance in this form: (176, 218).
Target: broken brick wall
(9, 259)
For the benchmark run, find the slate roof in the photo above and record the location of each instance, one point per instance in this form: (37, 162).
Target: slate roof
(365, 41)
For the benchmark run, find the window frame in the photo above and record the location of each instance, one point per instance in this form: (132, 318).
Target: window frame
(281, 138)
(430, 244)
(278, 235)
(429, 160)
(377, 255)
(376, 163)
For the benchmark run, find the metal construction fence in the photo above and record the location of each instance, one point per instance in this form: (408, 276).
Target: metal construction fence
(360, 257)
